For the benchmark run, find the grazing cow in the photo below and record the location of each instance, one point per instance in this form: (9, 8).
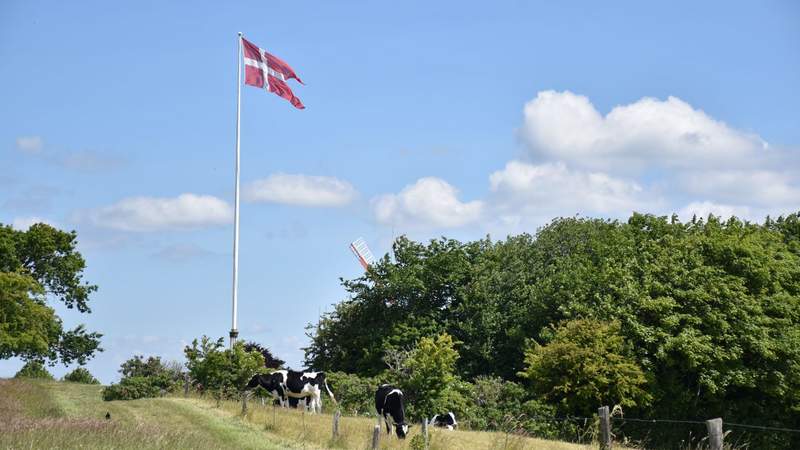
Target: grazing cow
(274, 383)
(389, 404)
(308, 385)
(444, 421)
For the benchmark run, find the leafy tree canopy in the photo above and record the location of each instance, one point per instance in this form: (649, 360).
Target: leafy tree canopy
(36, 265)
(709, 310)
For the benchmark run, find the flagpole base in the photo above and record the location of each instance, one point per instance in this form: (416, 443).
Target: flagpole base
(234, 334)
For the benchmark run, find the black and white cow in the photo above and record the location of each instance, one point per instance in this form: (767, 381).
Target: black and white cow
(389, 404)
(289, 384)
(308, 384)
(274, 383)
(444, 421)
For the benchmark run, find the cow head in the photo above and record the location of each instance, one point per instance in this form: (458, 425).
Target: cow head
(401, 429)
(254, 382)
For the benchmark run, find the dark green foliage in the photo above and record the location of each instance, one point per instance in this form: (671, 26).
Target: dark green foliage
(131, 388)
(355, 395)
(34, 369)
(270, 361)
(223, 372)
(144, 378)
(34, 265)
(81, 375)
(708, 310)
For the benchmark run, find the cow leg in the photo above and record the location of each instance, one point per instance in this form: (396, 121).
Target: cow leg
(388, 427)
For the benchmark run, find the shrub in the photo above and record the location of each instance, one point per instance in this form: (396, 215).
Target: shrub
(585, 364)
(224, 372)
(131, 388)
(162, 375)
(355, 394)
(34, 369)
(81, 375)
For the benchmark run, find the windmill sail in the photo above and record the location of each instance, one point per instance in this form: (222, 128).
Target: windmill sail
(361, 250)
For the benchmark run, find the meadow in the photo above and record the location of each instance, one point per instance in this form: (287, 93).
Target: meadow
(48, 415)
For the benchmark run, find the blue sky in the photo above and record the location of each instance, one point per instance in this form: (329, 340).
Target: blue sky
(423, 118)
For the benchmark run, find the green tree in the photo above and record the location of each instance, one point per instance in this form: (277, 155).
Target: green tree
(34, 369)
(223, 372)
(425, 373)
(81, 375)
(35, 265)
(586, 364)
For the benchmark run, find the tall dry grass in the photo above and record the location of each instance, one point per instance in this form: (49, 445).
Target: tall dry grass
(316, 431)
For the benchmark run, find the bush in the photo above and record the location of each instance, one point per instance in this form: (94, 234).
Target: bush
(81, 375)
(355, 394)
(131, 388)
(144, 378)
(585, 364)
(34, 369)
(224, 372)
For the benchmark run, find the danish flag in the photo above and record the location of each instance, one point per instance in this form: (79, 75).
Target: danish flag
(266, 71)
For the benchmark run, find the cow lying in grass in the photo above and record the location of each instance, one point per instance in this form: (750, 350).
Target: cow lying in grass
(444, 421)
(389, 404)
(289, 384)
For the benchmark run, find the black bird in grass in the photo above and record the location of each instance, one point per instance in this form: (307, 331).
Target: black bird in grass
(108, 415)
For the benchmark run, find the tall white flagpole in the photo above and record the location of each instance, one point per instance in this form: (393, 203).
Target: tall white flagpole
(234, 331)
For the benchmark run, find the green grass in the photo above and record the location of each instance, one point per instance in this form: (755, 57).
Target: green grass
(49, 415)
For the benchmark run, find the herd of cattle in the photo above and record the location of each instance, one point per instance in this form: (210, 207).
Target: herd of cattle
(290, 387)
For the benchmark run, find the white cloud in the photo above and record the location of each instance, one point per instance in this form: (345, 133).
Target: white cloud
(649, 132)
(704, 208)
(30, 144)
(758, 187)
(23, 223)
(185, 211)
(303, 190)
(430, 202)
(524, 192)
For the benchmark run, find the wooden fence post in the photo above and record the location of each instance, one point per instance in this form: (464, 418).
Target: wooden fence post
(244, 403)
(715, 436)
(605, 427)
(186, 385)
(425, 431)
(376, 437)
(336, 417)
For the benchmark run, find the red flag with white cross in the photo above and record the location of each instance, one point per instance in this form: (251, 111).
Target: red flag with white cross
(266, 71)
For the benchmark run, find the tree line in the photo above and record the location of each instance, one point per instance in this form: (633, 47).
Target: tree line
(666, 318)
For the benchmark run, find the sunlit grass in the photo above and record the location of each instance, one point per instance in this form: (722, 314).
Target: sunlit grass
(316, 431)
(49, 415)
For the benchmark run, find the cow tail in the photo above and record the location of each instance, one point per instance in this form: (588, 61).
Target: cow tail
(329, 392)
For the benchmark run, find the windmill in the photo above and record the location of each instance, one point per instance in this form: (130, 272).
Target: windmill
(362, 252)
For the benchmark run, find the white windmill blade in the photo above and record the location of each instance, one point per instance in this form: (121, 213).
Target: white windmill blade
(361, 250)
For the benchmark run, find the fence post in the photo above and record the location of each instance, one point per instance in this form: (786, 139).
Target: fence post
(186, 385)
(244, 403)
(336, 417)
(605, 428)
(376, 437)
(715, 436)
(425, 431)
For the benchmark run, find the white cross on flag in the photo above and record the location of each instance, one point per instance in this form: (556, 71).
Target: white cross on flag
(269, 72)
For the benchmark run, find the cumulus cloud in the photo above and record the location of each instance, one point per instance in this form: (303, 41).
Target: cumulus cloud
(30, 144)
(522, 192)
(649, 132)
(704, 208)
(303, 190)
(23, 223)
(186, 211)
(757, 186)
(430, 202)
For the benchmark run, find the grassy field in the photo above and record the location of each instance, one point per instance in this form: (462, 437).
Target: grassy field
(44, 415)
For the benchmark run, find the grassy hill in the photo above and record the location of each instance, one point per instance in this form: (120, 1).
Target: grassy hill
(42, 415)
